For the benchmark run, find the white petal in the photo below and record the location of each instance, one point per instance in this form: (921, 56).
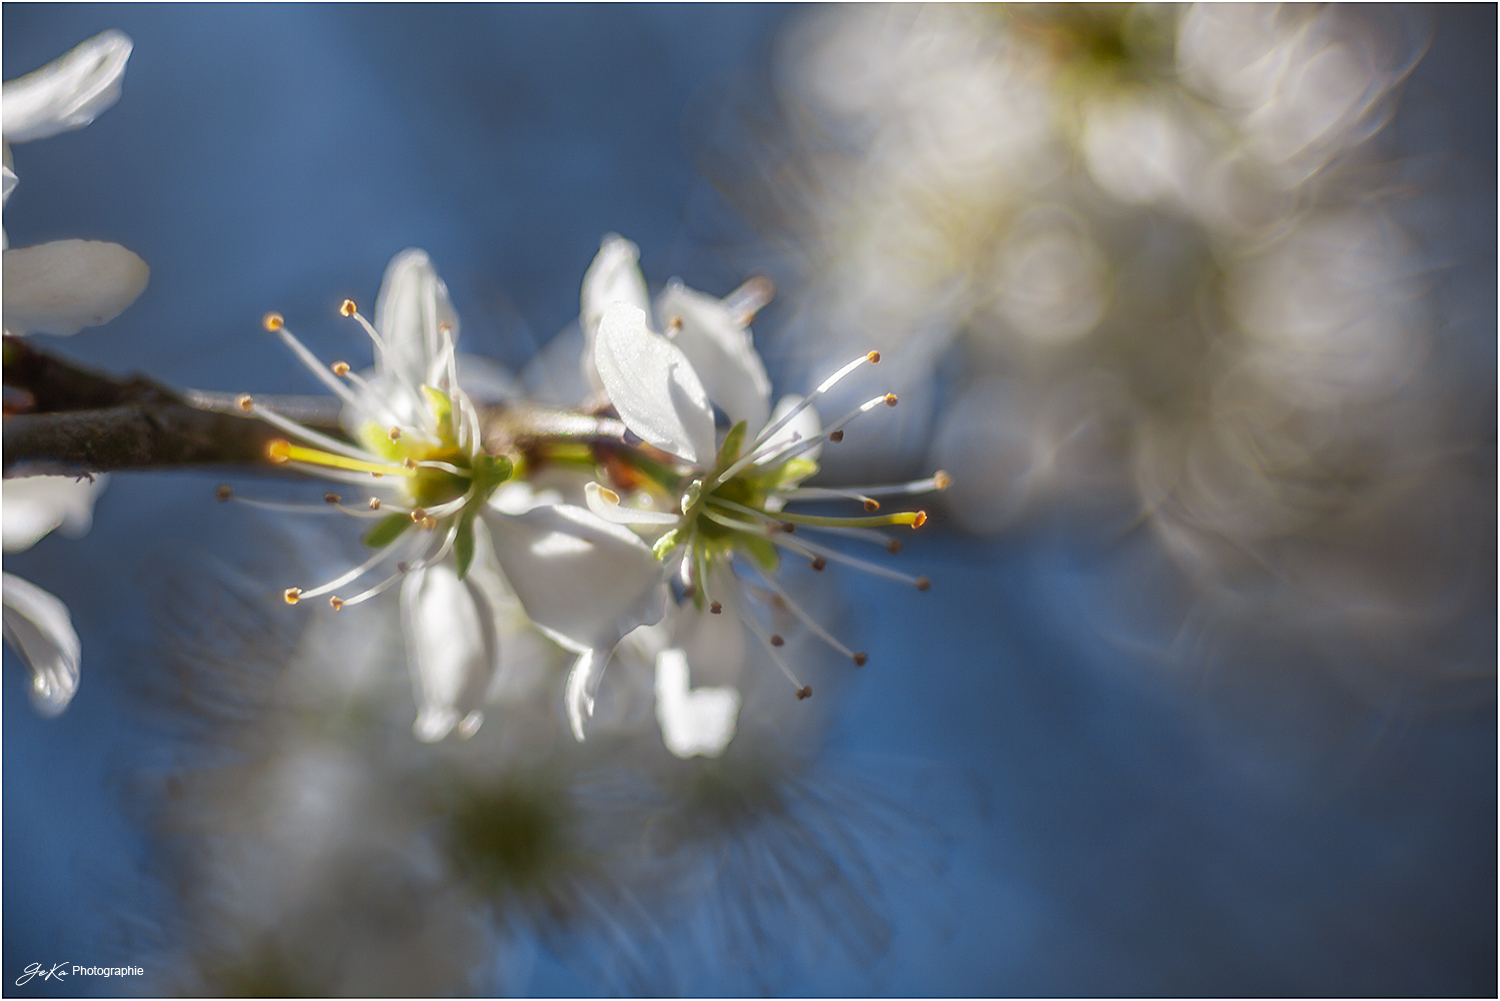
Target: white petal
(62, 287)
(804, 426)
(583, 581)
(610, 510)
(583, 683)
(720, 352)
(653, 386)
(613, 277)
(693, 720)
(486, 380)
(452, 648)
(41, 631)
(68, 92)
(35, 505)
(412, 308)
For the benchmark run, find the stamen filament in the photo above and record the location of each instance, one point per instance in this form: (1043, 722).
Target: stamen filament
(754, 626)
(807, 620)
(937, 481)
(389, 416)
(318, 369)
(282, 451)
(796, 448)
(325, 473)
(913, 518)
(381, 555)
(873, 568)
(823, 387)
(308, 435)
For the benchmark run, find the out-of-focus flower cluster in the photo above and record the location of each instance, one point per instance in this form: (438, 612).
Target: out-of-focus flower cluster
(1149, 259)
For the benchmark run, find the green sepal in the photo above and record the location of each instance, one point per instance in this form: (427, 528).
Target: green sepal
(387, 530)
(729, 452)
(666, 544)
(488, 472)
(690, 495)
(763, 551)
(463, 542)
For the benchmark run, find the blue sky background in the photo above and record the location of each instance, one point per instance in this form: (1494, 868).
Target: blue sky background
(1112, 828)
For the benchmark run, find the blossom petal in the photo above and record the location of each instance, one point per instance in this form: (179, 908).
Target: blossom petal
(610, 510)
(64, 286)
(68, 92)
(452, 649)
(412, 310)
(582, 581)
(653, 386)
(613, 277)
(38, 626)
(583, 684)
(720, 352)
(693, 720)
(35, 505)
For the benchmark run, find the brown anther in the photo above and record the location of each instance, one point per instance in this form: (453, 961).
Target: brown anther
(835, 436)
(417, 514)
(340, 368)
(777, 601)
(871, 504)
(873, 357)
(410, 463)
(374, 503)
(348, 308)
(777, 640)
(429, 523)
(402, 566)
(377, 475)
(445, 327)
(805, 692)
(818, 564)
(919, 520)
(941, 480)
(859, 659)
(272, 322)
(788, 527)
(893, 547)
(331, 498)
(688, 590)
(674, 324)
(890, 399)
(292, 595)
(715, 607)
(244, 402)
(335, 600)
(224, 492)
(923, 583)
(394, 433)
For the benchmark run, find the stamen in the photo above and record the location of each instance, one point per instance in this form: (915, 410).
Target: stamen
(394, 433)
(284, 451)
(340, 368)
(293, 507)
(245, 402)
(818, 564)
(777, 640)
(766, 435)
(913, 518)
(797, 448)
(831, 493)
(224, 492)
(316, 367)
(805, 692)
(937, 481)
(308, 435)
(715, 608)
(331, 498)
(920, 583)
(292, 595)
(325, 473)
(835, 436)
(754, 626)
(382, 554)
(347, 307)
(374, 503)
(272, 322)
(336, 602)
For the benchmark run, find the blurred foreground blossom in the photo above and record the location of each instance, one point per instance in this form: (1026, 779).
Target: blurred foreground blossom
(57, 288)
(1156, 258)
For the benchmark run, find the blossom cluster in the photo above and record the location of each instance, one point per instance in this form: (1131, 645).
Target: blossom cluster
(654, 524)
